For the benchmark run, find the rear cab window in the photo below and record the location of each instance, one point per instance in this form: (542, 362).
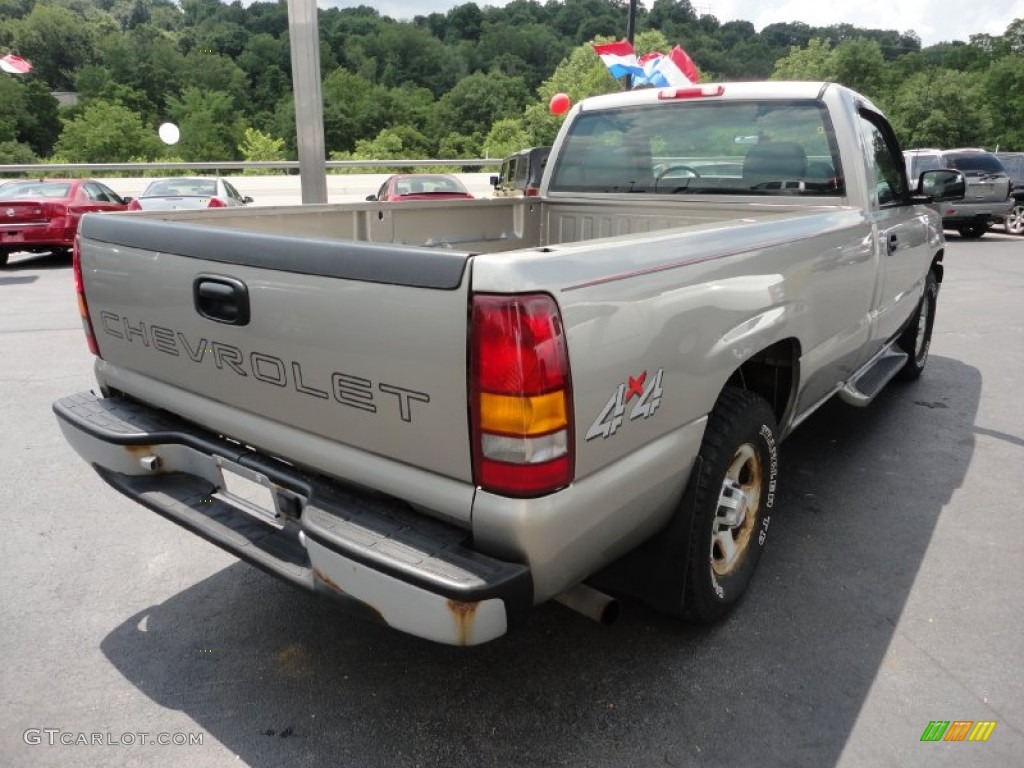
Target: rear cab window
(759, 148)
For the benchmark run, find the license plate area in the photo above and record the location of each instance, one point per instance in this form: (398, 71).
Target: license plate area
(250, 492)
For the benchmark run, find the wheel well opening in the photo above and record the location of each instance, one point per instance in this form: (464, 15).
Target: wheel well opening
(772, 374)
(937, 266)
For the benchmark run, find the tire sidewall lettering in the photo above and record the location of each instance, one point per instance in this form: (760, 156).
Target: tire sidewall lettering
(770, 445)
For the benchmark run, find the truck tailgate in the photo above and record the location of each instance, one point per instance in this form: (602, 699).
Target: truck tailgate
(355, 343)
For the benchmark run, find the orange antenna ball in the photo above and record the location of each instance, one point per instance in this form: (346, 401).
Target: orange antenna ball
(560, 104)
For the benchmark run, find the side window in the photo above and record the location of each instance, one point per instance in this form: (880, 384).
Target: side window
(111, 195)
(95, 193)
(232, 192)
(886, 162)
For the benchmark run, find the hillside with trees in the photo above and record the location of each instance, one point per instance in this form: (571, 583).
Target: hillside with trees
(472, 82)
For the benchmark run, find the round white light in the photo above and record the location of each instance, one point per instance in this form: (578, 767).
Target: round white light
(169, 133)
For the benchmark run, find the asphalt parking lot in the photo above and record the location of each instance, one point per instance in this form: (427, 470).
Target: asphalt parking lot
(888, 597)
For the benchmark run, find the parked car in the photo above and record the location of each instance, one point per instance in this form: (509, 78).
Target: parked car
(41, 215)
(521, 173)
(188, 192)
(988, 187)
(421, 186)
(1013, 162)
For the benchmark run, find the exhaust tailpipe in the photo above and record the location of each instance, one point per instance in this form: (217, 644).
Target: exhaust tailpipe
(602, 608)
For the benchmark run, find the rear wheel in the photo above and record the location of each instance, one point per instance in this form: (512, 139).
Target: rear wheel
(3, 258)
(916, 339)
(735, 491)
(972, 231)
(1014, 221)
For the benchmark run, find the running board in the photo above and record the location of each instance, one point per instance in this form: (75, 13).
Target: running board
(866, 385)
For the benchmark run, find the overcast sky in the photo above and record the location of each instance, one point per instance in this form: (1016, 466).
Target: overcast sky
(933, 20)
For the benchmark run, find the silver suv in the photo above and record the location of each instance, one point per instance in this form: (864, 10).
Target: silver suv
(1013, 162)
(987, 197)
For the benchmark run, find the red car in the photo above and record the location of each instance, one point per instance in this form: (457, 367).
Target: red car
(41, 216)
(421, 186)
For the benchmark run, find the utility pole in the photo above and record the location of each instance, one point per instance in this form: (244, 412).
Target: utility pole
(630, 34)
(309, 105)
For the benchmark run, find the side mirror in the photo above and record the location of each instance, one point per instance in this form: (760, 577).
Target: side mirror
(371, 198)
(247, 200)
(495, 180)
(942, 185)
(127, 200)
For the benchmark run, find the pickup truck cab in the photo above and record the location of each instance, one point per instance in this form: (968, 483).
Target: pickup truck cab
(521, 173)
(444, 414)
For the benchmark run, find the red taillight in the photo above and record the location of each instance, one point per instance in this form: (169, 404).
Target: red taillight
(54, 210)
(83, 307)
(216, 202)
(531, 192)
(520, 396)
(135, 205)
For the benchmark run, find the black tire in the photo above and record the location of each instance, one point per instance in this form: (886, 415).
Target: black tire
(739, 470)
(916, 338)
(1014, 221)
(972, 231)
(3, 259)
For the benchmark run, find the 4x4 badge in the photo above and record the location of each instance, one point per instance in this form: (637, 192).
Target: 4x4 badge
(648, 393)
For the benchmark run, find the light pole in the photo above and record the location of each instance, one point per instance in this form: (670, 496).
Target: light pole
(309, 105)
(630, 34)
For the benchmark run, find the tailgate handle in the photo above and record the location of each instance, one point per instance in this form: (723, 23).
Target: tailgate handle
(221, 299)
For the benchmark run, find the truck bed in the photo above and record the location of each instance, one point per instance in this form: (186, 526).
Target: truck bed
(479, 226)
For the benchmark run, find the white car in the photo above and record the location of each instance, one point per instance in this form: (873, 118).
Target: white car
(188, 192)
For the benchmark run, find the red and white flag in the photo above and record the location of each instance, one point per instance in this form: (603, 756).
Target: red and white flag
(14, 65)
(676, 69)
(620, 58)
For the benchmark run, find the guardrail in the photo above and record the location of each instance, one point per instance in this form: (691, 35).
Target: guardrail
(241, 165)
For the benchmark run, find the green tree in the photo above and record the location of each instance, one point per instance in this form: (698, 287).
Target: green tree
(145, 59)
(353, 109)
(266, 64)
(12, 96)
(106, 133)
(211, 128)
(57, 42)
(213, 72)
(389, 144)
(460, 145)
(529, 51)
(814, 62)
(942, 108)
(38, 119)
(1004, 88)
(1014, 37)
(257, 145)
(478, 100)
(859, 64)
(505, 137)
(405, 54)
(16, 153)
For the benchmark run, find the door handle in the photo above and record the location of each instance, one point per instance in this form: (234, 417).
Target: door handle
(891, 244)
(221, 299)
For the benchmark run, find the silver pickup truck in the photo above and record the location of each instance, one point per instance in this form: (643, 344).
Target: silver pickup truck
(443, 414)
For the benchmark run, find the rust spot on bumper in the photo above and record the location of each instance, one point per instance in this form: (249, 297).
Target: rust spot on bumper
(464, 615)
(328, 581)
